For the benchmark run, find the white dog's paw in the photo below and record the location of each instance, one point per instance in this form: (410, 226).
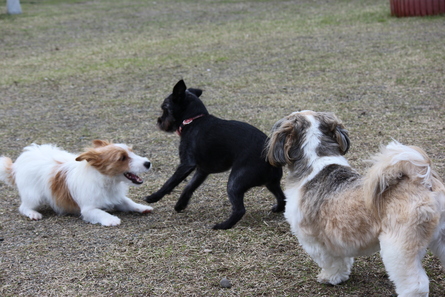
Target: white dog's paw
(145, 209)
(30, 213)
(34, 215)
(110, 221)
(334, 279)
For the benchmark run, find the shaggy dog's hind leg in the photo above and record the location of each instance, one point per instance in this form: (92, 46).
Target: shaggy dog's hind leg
(403, 263)
(437, 245)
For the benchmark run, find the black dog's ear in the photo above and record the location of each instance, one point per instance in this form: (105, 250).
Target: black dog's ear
(179, 91)
(196, 92)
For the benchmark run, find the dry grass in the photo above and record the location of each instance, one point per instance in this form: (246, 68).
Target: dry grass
(72, 71)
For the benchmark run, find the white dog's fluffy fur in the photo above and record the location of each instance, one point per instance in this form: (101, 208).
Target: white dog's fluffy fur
(84, 184)
(397, 207)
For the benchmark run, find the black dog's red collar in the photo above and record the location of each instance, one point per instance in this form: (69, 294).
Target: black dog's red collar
(186, 122)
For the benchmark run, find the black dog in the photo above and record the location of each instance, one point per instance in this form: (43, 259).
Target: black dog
(211, 145)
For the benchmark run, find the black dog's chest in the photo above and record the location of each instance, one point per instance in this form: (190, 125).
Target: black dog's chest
(209, 154)
(214, 160)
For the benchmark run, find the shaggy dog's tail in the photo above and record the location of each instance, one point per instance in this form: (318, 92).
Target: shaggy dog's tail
(6, 173)
(394, 163)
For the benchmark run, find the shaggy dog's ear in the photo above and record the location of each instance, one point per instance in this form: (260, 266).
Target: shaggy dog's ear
(342, 138)
(196, 92)
(336, 130)
(280, 142)
(179, 92)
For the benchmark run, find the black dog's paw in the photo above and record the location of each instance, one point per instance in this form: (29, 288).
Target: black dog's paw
(278, 208)
(221, 226)
(180, 207)
(153, 198)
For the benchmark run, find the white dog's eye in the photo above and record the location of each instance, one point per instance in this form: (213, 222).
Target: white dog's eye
(123, 158)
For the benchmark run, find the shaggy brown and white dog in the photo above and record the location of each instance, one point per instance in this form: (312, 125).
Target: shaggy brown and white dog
(397, 207)
(85, 184)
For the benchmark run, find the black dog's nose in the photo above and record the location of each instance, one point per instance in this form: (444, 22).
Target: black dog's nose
(147, 165)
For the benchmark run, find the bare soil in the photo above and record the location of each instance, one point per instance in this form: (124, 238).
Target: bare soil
(73, 71)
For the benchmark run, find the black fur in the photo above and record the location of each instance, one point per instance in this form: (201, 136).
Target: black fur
(211, 145)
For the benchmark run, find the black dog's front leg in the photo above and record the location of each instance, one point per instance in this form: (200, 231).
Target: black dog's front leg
(180, 174)
(196, 181)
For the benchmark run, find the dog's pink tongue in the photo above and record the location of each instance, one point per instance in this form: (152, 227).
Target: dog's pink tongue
(134, 178)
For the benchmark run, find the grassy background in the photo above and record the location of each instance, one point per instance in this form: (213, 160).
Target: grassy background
(72, 71)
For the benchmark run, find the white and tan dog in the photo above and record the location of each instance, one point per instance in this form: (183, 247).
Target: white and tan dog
(83, 184)
(397, 207)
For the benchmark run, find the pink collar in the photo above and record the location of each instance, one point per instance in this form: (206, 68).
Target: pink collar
(186, 122)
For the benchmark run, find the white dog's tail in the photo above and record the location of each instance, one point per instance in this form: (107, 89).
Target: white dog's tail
(394, 163)
(6, 174)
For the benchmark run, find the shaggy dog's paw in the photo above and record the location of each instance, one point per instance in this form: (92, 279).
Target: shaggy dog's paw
(333, 279)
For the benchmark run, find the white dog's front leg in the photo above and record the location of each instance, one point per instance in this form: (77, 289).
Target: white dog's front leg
(129, 205)
(96, 215)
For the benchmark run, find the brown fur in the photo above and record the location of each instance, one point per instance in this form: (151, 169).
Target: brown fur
(335, 214)
(108, 160)
(61, 193)
(11, 178)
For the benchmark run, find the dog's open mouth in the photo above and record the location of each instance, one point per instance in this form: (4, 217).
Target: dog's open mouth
(133, 178)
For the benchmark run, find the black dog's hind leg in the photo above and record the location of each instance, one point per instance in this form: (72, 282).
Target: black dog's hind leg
(235, 190)
(276, 190)
(187, 193)
(180, 174)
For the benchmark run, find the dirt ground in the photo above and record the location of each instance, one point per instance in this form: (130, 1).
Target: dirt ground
(73, 71)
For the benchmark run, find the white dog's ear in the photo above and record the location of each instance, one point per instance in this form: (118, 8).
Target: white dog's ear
(99, 143)
(89, 156)
(342, 138)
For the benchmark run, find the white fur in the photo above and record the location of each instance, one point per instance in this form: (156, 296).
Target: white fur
(92, 191)
(310, 147)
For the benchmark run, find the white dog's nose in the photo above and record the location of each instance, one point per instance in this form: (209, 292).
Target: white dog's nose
(147, 164)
